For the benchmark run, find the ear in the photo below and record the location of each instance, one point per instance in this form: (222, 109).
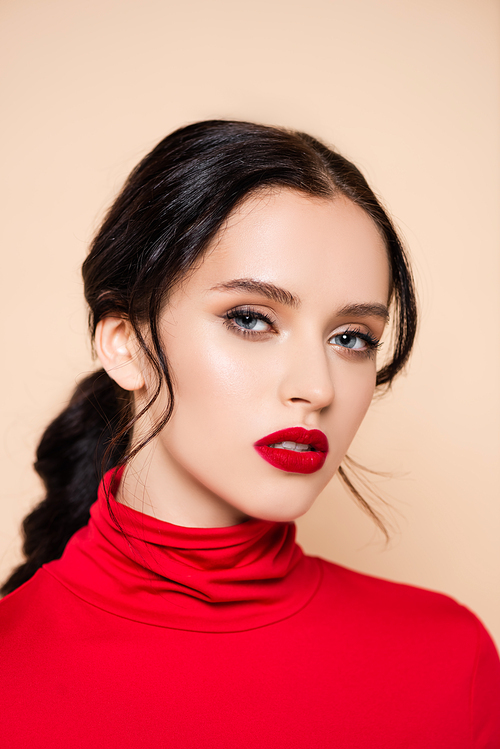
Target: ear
(117, 350)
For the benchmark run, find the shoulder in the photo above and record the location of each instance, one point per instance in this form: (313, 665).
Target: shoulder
(398, 605)
(20, 604)
(35, 612)
(441, 643)
(43, 628)
(28, 606)
(26, 621)
(22, 600)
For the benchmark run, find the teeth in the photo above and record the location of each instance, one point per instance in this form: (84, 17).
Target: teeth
(296, 446)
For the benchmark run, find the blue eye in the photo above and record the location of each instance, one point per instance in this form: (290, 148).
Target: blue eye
(251, 322)
(350, 341)
(247, 322)
(364, 344)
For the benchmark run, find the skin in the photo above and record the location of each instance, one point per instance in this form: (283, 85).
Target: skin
(232, 389)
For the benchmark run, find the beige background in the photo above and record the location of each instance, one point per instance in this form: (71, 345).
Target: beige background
(409, 89)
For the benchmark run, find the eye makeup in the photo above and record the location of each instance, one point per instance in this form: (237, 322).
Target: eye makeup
(350, 335)
(249, 322)
(244, 321)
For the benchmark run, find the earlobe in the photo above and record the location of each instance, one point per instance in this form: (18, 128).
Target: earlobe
(117, 351)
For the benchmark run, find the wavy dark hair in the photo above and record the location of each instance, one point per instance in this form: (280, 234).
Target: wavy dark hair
(169, 210)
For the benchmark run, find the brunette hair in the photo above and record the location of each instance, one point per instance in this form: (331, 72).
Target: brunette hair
(170, 208)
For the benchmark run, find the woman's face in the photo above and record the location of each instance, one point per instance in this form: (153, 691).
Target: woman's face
(276, 329)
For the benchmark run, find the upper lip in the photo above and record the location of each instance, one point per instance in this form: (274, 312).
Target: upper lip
(313, 437)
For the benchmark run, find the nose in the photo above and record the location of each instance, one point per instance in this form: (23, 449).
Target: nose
(308, 376)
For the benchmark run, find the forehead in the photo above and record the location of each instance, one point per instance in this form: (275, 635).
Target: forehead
(316, 248)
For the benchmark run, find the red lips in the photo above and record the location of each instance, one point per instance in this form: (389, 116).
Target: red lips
(291, 460)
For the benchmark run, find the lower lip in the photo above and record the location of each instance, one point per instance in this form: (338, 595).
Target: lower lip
(292, 460)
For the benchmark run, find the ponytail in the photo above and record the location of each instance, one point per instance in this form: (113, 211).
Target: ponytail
(76, 449)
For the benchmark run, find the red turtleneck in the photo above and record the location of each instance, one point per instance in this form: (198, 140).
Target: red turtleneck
(146, 634)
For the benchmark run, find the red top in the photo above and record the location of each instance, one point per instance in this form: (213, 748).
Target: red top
(155, 635)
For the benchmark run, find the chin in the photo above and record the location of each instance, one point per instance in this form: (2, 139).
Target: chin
(279, 511)
(282, 499)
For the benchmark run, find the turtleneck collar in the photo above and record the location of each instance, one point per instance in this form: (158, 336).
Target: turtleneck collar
(200, 579)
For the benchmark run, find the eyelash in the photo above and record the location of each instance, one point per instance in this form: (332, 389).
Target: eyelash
(372, 343)
(245, 312)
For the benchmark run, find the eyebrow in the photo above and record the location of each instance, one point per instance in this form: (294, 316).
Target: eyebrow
(365, 310)
(269, 290)
(282, 296)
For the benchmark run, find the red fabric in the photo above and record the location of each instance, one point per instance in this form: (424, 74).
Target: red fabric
(161, 636)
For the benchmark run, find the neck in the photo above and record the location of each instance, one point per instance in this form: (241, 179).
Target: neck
(155, 484)
(225, 579)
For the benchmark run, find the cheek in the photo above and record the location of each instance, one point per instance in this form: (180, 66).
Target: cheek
(353, 395)
(213, 384)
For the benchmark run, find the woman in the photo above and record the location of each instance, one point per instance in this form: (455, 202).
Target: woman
(238, 290)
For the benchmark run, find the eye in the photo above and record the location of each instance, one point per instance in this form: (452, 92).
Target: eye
(248, 322)
(356, 341)
(349, 340)
(251, 322)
